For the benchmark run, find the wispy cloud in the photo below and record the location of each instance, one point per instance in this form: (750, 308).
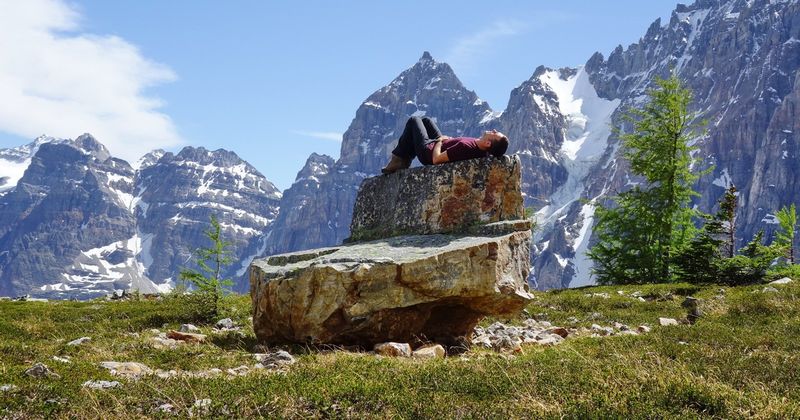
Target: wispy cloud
(472, 47)
(322, 135)
(57, 80)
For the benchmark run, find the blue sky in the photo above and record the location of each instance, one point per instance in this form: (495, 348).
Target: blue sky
(271, 80)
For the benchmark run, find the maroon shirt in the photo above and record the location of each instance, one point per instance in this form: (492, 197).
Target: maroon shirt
(459, 148)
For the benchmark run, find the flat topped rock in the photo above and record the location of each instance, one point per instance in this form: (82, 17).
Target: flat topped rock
(447, 198)
(405, 289)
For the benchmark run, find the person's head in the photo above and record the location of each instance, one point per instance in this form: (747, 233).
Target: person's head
(494, 142)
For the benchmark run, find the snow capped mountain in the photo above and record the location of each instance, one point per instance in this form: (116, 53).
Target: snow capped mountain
(13, 162)
(80, 223)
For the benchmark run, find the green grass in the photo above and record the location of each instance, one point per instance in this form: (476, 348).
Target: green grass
(741, 360)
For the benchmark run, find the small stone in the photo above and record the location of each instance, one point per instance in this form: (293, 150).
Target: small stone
(683, 343)
(602, 331)
(155, 331)
(785, 280)
(185, 336)
(165, 408)
(429, 352)
(562, 332)
(188, 328)
(549, 339)
(101, 384)
(127, 369)
(769, 289)
(482, 340)
(166, 374)
(392, 349)
(573, 320)
(225, 324)
(8, 388)
(40, 370)
(239, 371)
(620, 326)
(628, 332)
(275, 359)
(161, 342)
(643, 329)
(200, 406)
(641, 299)
(667, 321)
(64, 359)
(79, 341)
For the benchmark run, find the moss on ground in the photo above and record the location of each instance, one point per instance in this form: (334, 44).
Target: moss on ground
(740, 360)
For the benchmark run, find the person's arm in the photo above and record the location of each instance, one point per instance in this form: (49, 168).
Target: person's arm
(438, 156)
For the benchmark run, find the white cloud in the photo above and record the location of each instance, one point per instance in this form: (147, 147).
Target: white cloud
(472, 47)
(322, 135)
(57, 80)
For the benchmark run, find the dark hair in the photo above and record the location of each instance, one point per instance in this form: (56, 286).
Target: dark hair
(499, 147)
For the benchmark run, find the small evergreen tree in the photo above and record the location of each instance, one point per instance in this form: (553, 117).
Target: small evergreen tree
(787, 220)
(642, 229)
(211, 261)
(751, 265)
(700, 261)
(727, 217)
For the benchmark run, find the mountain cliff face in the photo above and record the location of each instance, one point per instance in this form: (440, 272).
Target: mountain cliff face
(741, 60)
(176, 196)
(80, 223)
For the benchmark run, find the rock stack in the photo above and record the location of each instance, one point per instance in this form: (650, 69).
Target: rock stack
(432, 251)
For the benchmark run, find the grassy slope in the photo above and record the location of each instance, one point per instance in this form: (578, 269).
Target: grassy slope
(741, 360)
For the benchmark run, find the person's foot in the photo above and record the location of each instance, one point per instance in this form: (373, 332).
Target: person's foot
(396, 164)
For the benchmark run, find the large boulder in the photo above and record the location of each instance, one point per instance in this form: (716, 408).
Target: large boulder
(441, 247)
(405, 289)
(438, 199)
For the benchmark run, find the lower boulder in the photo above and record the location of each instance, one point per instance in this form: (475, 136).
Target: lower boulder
(412, 289)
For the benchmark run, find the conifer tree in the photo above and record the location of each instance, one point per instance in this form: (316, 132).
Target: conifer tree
(208, 280)
(727, 215)
(787, 220)
(641, 230)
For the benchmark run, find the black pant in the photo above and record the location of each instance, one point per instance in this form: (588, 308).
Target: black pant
(416, 136)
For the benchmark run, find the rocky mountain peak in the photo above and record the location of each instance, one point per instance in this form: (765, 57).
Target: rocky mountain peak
(89, 144)
(149, 159)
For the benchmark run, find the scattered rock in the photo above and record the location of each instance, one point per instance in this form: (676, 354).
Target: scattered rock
(602, 331)
(40, 370)
(225, 324)
(64, 359)
(548, 339)
(392, 349)
(643, 329)
(667, 321)
(785, 280)
(602, 295)
(188, 328)
(620, 326)
(560, 331)
(101, 384)
(239, 371)
(275, 360)
(692, 305)
(594, 316)
(429, 352)
(200, 406)
(127, 369)
(79, 341)
(185, 336)
(769, 289)
(165, 408)
(8, 388)
(164, 342)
